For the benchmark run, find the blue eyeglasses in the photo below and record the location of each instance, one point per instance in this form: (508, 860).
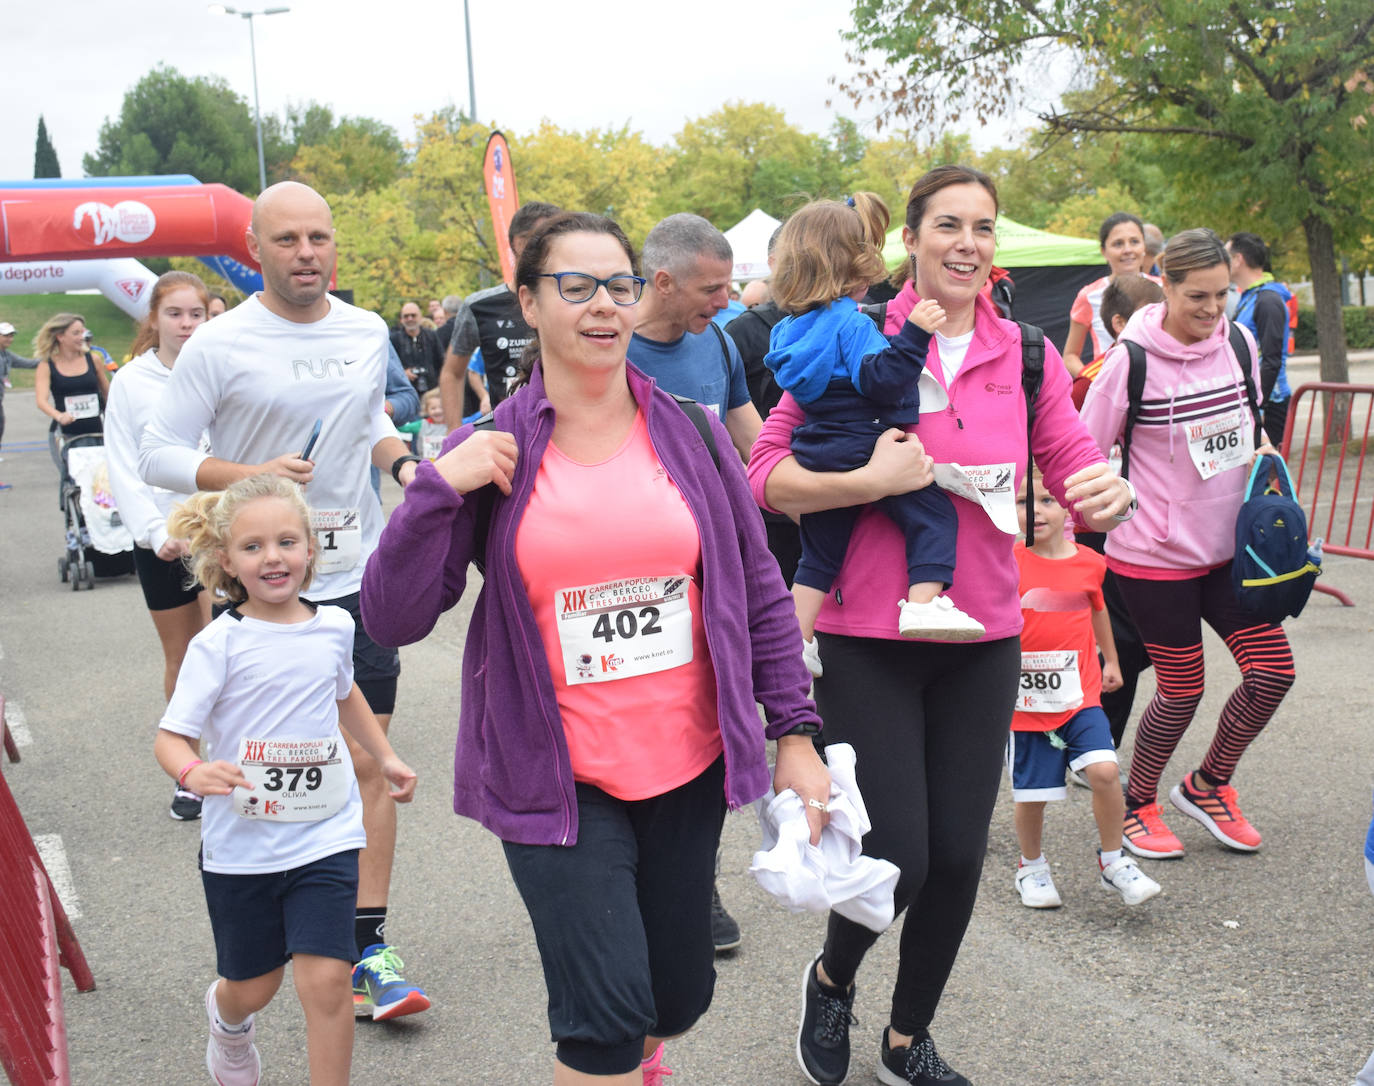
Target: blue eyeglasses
(578, 287)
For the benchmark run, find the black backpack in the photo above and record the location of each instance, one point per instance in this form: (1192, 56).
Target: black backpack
(486, 497)
(1274, 570)
(1032, 375)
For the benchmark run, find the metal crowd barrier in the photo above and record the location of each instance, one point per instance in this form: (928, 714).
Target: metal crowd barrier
(36, 942)
(1326, 442)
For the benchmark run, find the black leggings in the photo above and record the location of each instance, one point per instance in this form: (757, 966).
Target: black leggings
(623, 920)
(1131, 656)
(929, 723)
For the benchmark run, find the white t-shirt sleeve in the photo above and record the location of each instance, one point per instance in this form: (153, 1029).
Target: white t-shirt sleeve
(132, 496)
(199, 684)
(382, 427)
(345, 672)
(169, 453)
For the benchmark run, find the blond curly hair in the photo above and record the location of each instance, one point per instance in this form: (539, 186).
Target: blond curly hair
(206, 519)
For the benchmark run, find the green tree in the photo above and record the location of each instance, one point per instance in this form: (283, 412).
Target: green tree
(1259, 111)
(1080, 216)
(354, 154)
(890, 166)
(44, 154)
(613, 172)
(743, 156)
(427, 233)
(171, 124)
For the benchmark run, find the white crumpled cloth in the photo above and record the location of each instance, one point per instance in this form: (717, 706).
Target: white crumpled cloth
(86, 465)
(834, 874)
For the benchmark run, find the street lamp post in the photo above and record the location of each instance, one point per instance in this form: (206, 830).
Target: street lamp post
(225, 9)
(472, 79)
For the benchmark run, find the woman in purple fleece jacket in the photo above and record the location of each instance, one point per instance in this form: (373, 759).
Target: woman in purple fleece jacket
(630, 619)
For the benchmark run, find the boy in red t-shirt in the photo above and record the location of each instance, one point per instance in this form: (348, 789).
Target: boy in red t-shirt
(1059, 722)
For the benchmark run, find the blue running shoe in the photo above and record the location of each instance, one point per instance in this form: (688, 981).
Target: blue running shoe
(379, 990)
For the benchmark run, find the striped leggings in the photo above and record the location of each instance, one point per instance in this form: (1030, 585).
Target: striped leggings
(1169, 616)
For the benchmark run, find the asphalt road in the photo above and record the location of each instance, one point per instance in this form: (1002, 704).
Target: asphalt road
(1252, 969)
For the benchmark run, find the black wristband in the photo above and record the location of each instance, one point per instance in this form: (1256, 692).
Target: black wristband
(402, 461)
(803, 729)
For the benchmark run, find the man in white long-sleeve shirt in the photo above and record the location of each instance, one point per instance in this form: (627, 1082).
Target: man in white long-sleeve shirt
(256, 380)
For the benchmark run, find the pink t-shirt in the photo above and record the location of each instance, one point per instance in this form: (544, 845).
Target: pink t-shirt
(611, 561)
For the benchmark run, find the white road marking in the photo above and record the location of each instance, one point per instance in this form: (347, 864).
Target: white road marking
(54, 858)
(19, 728)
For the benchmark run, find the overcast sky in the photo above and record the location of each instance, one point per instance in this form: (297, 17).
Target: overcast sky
(582, 65)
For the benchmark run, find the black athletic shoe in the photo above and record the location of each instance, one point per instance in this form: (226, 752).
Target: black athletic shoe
(823, 1037)
(919, 1063)
(185, 805)
(724, 930)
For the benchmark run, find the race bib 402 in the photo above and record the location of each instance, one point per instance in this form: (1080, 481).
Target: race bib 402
(615, 630)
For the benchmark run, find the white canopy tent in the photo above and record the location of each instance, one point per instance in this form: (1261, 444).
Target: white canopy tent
(748, 240)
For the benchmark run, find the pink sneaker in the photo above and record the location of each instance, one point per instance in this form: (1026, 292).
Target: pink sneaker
(231, 1058)
(1145, 834)
(1219, 810)
(655, 1074)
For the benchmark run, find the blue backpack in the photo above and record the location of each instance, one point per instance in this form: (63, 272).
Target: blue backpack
(1274, 568)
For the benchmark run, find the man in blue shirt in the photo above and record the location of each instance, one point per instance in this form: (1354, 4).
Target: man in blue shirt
(1263, 308)
(687, 263)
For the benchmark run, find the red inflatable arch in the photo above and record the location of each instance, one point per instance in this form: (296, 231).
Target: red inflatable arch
(80, 223)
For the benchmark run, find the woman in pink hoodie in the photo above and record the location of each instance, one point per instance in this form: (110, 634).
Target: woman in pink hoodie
(1191, 449)
(929, 721)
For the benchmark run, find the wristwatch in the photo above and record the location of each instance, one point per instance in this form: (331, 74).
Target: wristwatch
(1121, 518)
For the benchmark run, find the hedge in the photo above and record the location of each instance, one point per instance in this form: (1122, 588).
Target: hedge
(1359, 327)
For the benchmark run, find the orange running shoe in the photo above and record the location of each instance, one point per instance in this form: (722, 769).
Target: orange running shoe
(1145, 834)
(1218, 810)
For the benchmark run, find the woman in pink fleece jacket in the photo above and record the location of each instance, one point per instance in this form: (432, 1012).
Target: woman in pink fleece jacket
(929, 720)
(1191, 450)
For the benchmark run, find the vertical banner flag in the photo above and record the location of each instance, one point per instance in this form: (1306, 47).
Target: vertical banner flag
(499, 174)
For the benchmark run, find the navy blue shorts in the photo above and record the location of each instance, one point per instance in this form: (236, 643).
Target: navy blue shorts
(260, 921)
(1037, 766)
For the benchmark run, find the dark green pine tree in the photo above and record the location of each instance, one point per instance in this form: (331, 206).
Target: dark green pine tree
(44, 154)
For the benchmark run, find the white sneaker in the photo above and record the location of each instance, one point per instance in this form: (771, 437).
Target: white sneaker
(231, 1058)
(938, 620)
(1036, 887)
(1125, 877)
(811, 657)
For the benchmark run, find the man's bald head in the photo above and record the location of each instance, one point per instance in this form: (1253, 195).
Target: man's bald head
(756, 293)
(292, 238)
(286, 197)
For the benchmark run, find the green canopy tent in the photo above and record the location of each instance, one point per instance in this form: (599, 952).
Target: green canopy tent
(1048, 269)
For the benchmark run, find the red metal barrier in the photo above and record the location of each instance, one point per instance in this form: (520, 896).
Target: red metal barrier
(11, 747)
(1326, 442)
(36, 939)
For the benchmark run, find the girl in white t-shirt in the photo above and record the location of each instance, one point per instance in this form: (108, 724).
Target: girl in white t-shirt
(265, 688)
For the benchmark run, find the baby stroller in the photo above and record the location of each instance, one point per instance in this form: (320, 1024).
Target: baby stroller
(97, 542)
